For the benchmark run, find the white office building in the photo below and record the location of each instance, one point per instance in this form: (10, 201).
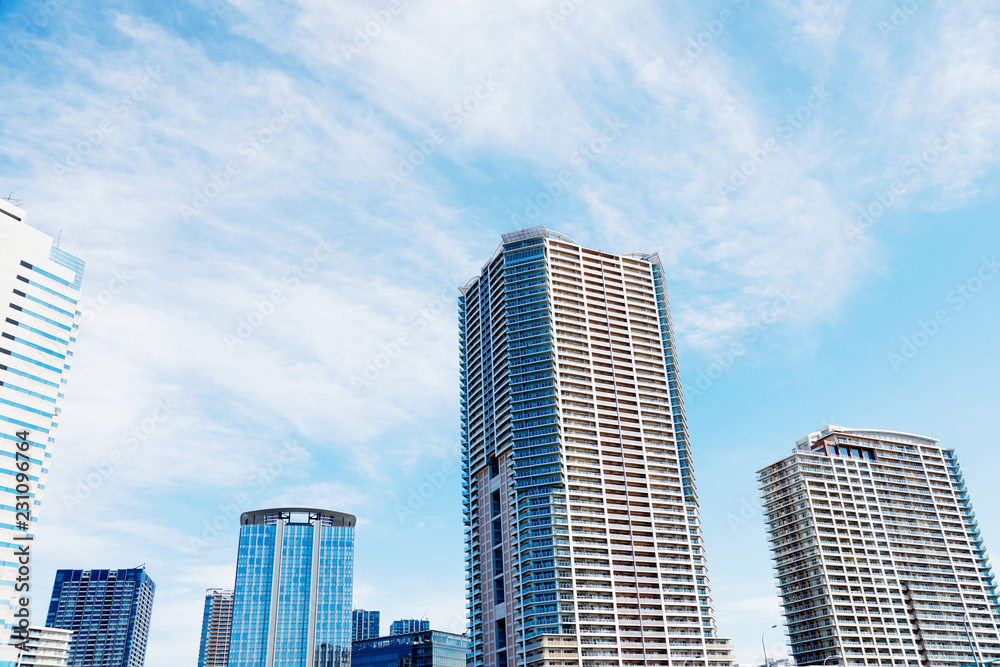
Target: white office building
(877, 553)
(40, 288)
(583, 542)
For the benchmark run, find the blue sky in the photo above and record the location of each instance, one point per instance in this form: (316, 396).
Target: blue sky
(268, 199)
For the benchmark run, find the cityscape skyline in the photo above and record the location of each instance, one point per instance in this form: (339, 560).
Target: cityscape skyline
(529, 233)
(277, 208)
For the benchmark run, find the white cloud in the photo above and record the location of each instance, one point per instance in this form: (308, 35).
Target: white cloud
(817, 24)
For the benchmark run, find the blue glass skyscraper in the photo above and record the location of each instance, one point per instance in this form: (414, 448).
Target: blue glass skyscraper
(294, 585)
(108, 612)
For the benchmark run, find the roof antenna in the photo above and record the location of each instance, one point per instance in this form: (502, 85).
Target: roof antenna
(59, 239)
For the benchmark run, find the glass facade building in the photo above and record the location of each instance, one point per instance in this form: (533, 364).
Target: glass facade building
(294, 584)
(364, 625)
(216, 625)
(878, 556)
(428, 648)
(583, 532)
(405, 626)
(40, 284)
(108, 612)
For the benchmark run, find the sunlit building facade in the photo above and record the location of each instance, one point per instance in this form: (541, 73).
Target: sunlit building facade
(216, 626)
(878, 556)
(583, 534)
(40, 284)
(294, 584)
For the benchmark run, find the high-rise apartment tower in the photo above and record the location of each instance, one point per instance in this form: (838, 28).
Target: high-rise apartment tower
(294, 583)
(216, 626)
(877, 553)
(40, 283)
(583, 542)
(108, 612)
(364, 625)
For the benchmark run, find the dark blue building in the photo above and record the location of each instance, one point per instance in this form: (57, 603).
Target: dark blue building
(429, 648)
(109, 613)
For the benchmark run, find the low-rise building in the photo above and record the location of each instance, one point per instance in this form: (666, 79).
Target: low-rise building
(430, 648)
(45, 647)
